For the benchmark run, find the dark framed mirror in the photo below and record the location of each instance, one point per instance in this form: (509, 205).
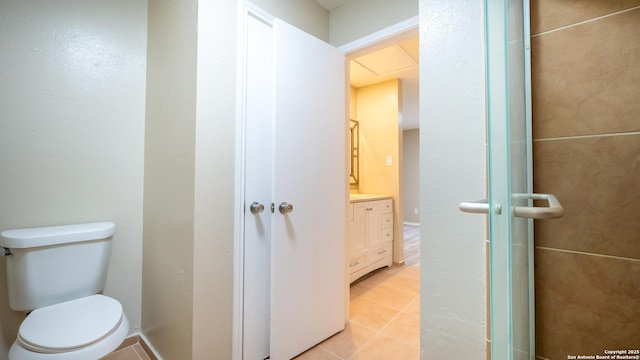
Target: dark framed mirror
(354, 150)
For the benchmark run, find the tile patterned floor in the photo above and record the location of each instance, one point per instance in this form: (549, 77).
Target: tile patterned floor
(384, 319)
(384, 322)
(131, 349)
(384, 316)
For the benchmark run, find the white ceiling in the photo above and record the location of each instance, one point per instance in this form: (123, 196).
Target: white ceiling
(395, 59)
(398, 59)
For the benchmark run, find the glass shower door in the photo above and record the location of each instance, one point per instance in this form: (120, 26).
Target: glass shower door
(509, 170)
(510, 197)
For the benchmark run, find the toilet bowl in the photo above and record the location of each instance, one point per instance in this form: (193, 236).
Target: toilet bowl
(57, 275)
(82, 329)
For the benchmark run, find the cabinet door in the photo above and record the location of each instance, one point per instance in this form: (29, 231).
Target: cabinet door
(358, 243)
(373, 224)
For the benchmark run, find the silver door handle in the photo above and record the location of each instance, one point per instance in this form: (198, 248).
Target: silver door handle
(285, 208)
(477, 207)
(553, 211)
(256, 208)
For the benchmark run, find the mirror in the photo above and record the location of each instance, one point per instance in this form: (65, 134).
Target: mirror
(354, 148)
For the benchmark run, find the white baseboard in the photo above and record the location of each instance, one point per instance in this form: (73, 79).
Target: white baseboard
(411, 223)
(149, 345)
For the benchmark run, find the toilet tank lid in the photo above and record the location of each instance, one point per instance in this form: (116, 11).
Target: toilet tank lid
(53, 235)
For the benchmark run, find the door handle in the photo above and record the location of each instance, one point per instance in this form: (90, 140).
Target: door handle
(285, 208)
(256, 208)
(553, 211)
(477, 207)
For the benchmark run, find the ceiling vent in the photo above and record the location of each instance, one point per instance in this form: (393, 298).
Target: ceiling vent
(386, 61)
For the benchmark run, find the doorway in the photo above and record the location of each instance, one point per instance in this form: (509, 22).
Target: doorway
(259, 212)
(391, 293)
(374, 63)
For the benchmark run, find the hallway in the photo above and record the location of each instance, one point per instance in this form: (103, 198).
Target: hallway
(384, 313)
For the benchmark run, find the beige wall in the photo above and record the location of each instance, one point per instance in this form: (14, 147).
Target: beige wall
(410, 175)
(359, 18)
(586, 123)
(215, 181)
(72, 93)
(353, 102)
(167, 302)
(307, 15)
(79, 101)
(378, 109)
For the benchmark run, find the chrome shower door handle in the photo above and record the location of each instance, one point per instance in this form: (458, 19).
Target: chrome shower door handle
(475, 207)
(553, 211)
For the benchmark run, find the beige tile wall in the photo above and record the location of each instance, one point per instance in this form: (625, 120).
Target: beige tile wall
(586, 125)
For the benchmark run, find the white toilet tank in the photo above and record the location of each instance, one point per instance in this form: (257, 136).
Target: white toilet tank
(50, 265)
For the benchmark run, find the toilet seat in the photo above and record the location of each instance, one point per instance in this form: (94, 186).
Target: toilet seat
(71, 325)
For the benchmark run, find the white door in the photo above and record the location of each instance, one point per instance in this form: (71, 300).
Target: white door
(258, 130)
(308, 243)
(295, 132)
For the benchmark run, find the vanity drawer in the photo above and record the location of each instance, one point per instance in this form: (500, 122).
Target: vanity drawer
(386, 206)
(358, 263)
(386, 235)
(380, 252)
(386, 220)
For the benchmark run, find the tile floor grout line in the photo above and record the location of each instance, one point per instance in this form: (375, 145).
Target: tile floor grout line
(137, 353)
(414, 296)
(377, 331)
(380, 332)
(363, 346)
(395, 317)
(331, 352)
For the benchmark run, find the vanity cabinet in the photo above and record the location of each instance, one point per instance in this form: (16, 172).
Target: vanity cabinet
(370, 236)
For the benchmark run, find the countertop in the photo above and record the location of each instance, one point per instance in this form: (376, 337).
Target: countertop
(367, 197)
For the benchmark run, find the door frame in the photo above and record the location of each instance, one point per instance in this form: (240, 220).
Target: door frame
(246, 9)
(366, 44)
(379, 36)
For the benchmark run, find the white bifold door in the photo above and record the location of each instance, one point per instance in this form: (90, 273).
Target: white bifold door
(295, 191)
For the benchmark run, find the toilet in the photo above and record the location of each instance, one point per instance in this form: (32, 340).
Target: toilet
(56, 275)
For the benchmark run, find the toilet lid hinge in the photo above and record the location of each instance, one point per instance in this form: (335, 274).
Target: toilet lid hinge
(5, 251)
